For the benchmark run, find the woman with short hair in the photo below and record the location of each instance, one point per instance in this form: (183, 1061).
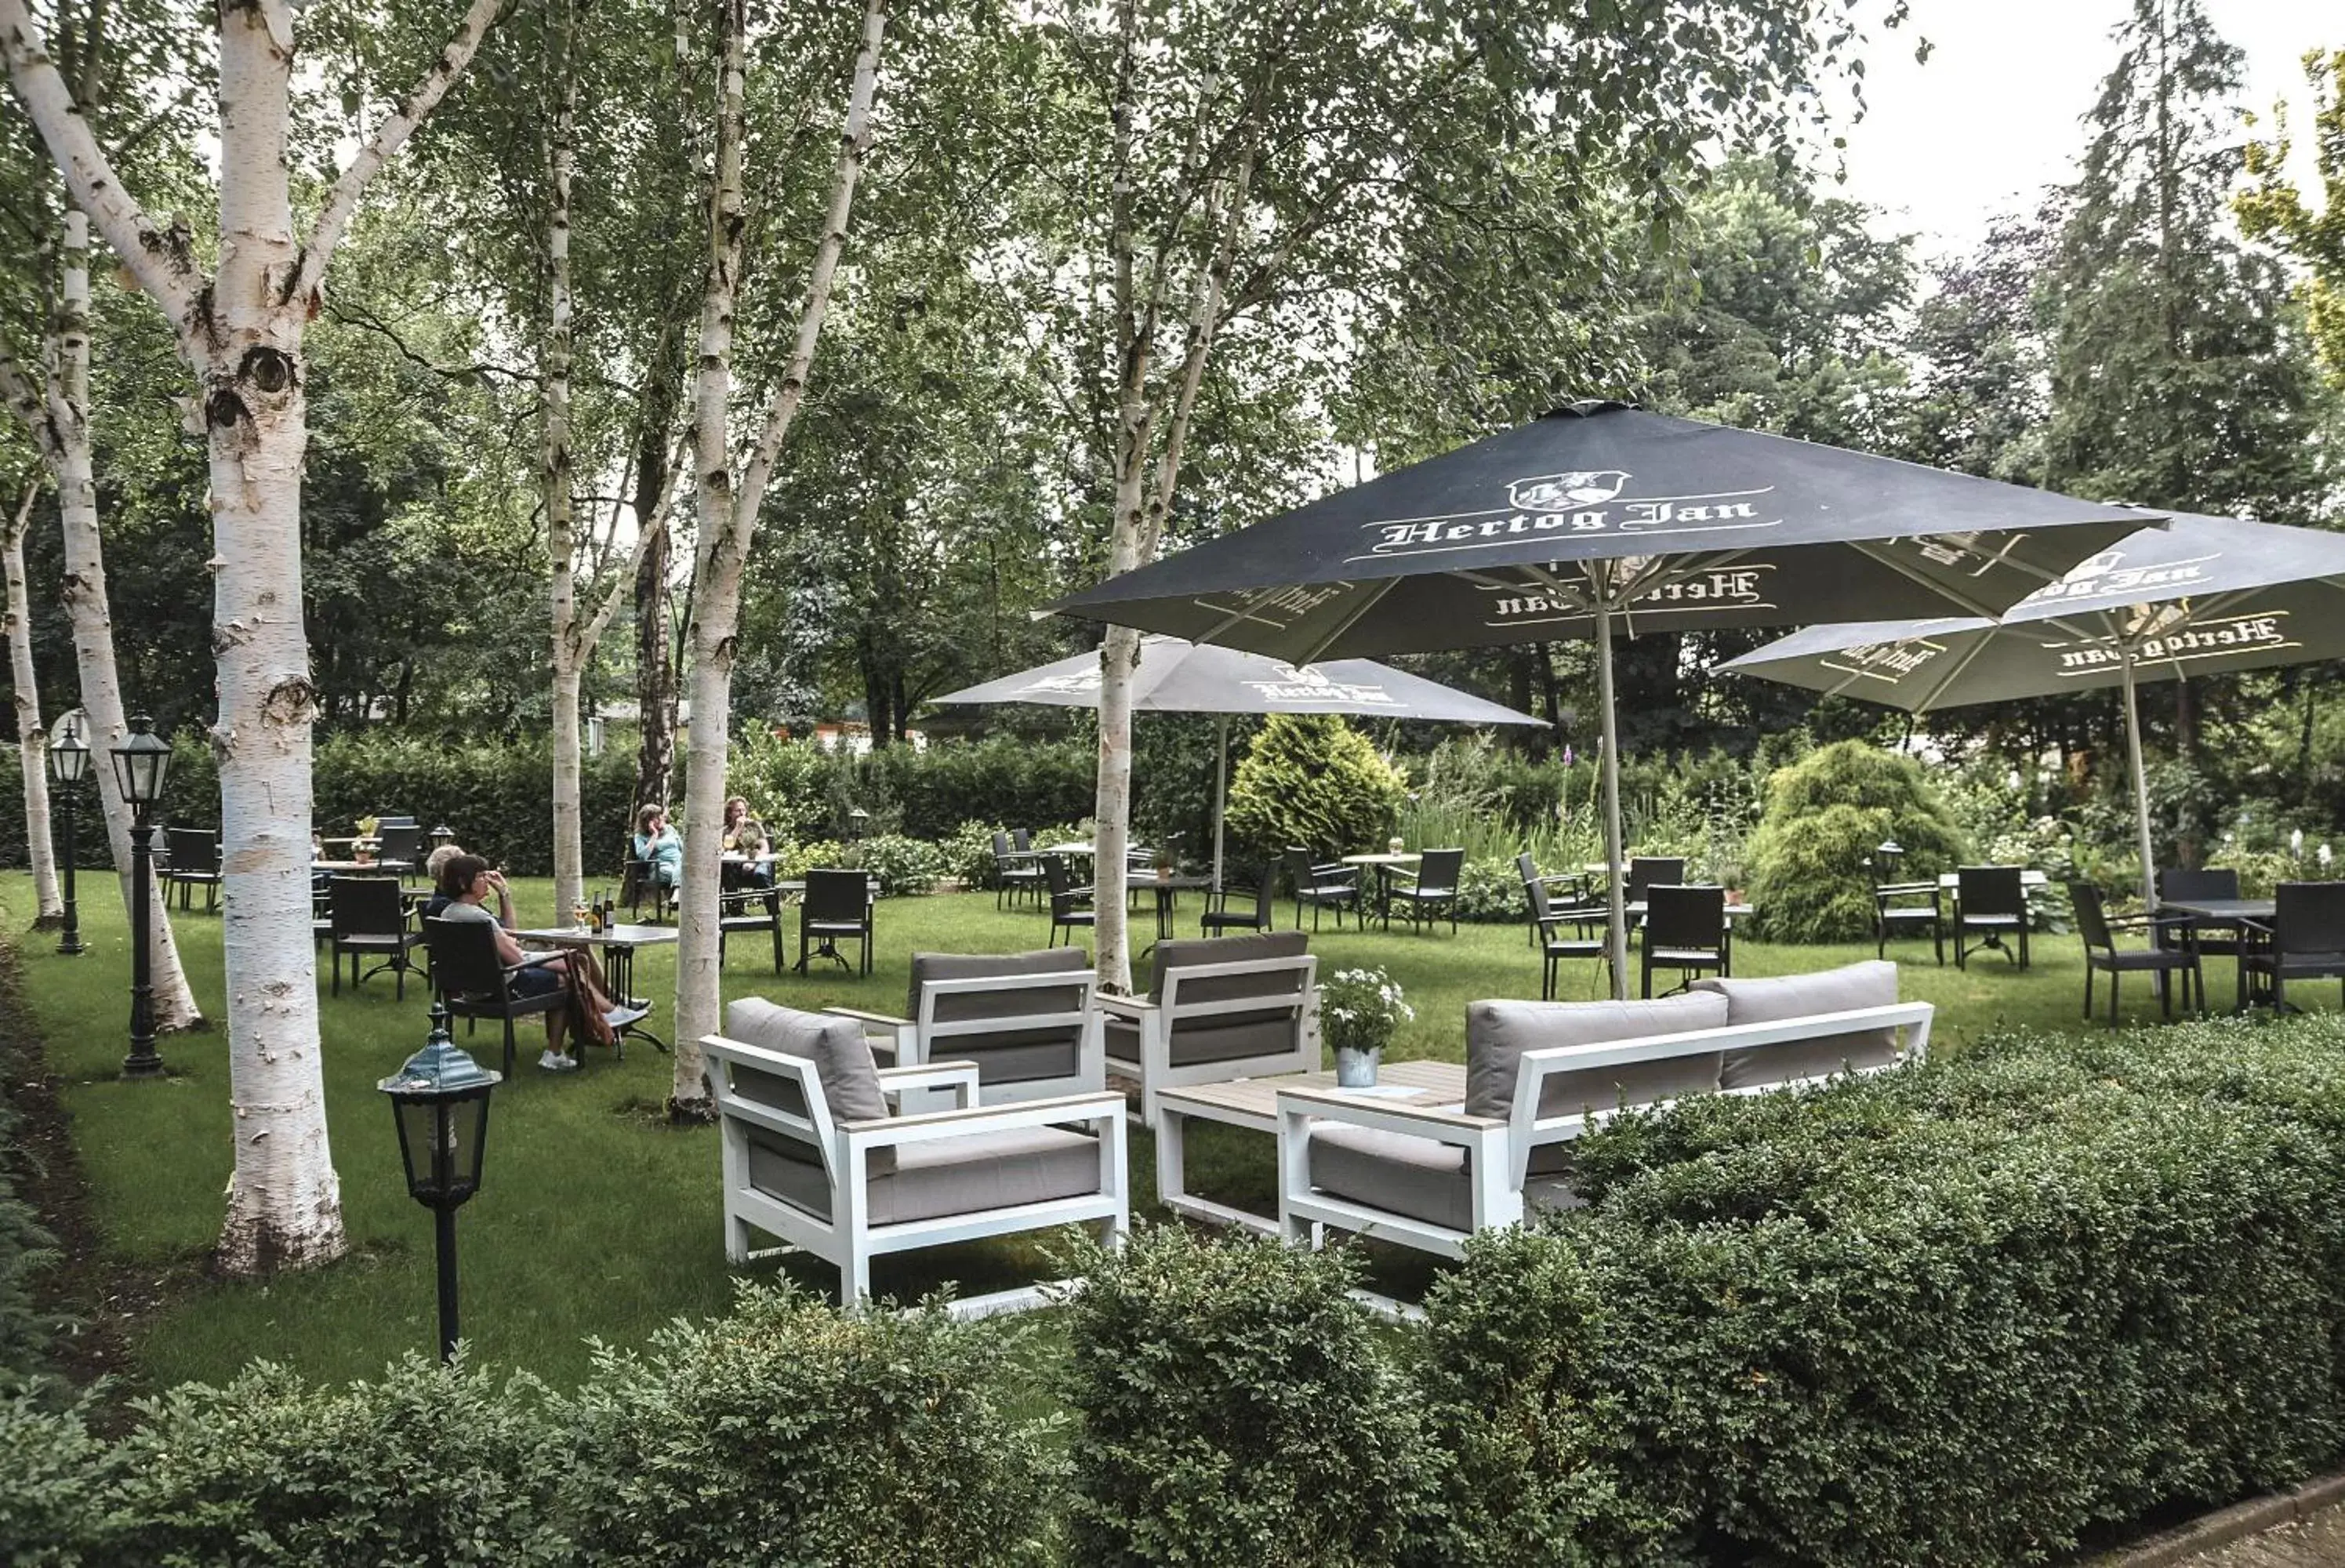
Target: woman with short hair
(469, 884)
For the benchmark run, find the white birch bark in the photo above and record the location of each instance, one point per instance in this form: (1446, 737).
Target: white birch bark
(728, 520)
(32, 739)
(56, 415)
(240, 333)
(553, 393)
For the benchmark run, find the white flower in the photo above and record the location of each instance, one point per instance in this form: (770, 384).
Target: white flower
(2296, 842)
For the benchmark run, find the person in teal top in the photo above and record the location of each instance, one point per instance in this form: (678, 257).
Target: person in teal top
(657, 841)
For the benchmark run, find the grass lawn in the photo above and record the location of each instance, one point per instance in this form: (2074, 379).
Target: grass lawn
(597, 1220)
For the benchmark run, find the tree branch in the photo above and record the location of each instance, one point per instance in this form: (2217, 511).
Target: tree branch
(163, 260)
(388, 138)
(622, 587)
(855, 136)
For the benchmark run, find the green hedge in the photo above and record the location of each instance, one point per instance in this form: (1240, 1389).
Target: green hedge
(786, 1433)
(1963, 1314)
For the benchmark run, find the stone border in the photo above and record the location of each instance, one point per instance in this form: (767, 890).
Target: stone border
(2227, 1525)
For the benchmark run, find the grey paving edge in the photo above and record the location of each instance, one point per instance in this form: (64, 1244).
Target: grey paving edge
(2241, 1520)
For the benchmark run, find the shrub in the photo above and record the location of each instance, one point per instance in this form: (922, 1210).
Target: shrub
(431, 1464)
(1826, 814)
(1977, 1308)
(1490, 891)
(58, 1508)
(904, 865)
(792, 1434)
(1310, 779)
(794, 860)
(968, 854)
(1232, 1407)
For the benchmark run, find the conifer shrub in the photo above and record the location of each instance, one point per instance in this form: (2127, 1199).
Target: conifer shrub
(1826, 814)
(1309, 779)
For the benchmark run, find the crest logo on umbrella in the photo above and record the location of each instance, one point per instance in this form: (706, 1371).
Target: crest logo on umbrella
(1555, 491)
(1302, 683)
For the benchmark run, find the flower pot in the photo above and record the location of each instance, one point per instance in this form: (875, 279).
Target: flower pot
(1355, 1069)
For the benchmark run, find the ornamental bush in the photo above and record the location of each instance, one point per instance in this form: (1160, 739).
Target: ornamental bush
(1826, 814)
(1309, 779)
(1232, 1406)
(790, 1433)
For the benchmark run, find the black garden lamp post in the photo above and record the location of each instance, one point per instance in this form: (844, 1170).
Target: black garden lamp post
(857, 821)
(440, 1099)
(140, 765)
(1886, 856)
(68, 765)
(443, 836)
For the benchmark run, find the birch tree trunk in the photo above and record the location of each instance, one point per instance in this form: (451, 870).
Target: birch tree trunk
(240, 333)
(32, 739)
(56, 415)
(728, 520)
(554, 394)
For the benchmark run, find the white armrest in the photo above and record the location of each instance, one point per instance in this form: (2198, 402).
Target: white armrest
(929, 1075)
(1131, 1007)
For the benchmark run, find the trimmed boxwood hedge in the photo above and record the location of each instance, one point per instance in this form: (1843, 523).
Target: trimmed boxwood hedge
(1960, 1314)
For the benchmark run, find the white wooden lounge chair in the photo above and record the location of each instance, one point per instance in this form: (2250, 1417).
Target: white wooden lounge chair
(812, 1154)
(1217, 1008)
(1026, 1019)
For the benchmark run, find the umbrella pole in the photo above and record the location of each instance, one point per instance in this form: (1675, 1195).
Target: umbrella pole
(1221, 789)
(2140, 780)
(1617, 931)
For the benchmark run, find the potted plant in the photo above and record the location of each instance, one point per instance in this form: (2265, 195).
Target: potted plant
(362, 847)
(1358, 1011)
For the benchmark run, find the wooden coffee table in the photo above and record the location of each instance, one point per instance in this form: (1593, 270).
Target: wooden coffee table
(1252, 1103)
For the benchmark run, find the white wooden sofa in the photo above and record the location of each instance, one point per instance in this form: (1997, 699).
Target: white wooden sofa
(812, 1154)
(1026, 1019)
(1217, 1008)
(1539, 1074)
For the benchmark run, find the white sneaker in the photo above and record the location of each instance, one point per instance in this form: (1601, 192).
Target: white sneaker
(554, 1062)
(620, 1017)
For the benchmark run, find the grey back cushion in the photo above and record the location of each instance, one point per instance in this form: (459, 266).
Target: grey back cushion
(1872, 984)
(965, 1006)
(1281, 984)
(842, 1061)
(1498, 1033)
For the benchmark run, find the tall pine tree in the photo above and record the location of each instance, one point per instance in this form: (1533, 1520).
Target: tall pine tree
(2176, 379)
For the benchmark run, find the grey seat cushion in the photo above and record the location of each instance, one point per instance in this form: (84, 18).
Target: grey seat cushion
(1008, 1055)
(939, 1178)
(1497, 1034)
(1413, 1176)
(1872, 984)
(842, 1059)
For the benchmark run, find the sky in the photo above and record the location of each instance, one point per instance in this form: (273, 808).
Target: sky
(1996, 114)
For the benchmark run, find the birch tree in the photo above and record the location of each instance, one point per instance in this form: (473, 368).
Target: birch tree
(1261, 160)
(52, 403)
(727, 506)
(239, 325)
(32, 740)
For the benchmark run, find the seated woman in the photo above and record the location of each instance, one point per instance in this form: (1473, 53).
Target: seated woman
(745, 835)
(657, 841)
(435, 865)
(469, 884)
